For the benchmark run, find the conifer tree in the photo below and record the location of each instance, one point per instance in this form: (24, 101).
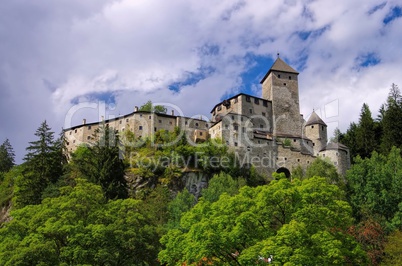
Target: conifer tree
(6, 156)
(391, 121)
(365, 137)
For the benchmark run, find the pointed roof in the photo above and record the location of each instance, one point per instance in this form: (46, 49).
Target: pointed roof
(279, 65)
(315, 119)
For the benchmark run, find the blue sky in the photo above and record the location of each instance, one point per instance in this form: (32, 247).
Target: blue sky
(61, 59)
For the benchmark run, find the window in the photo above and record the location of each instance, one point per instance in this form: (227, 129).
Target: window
(248, 148)
(206, 125)
(256, 101)
(227, 126)
(263, 114)
(236, 127)
(160, 121)
(89, 127)
(236, 100)
(170, 123)
(149, 117)
(196, 124)
(243, 129)
(120, 122)
(298, 160)
(284, 84)
(70, 132)
(312, 126)
(235, 144)
(313, 144)
(251, 111)
(279, 75)
(294, 140)
(248, 99)
(75, 131)
(200, 133)
(140, 115)
(89, 137)
(232, 117)
(186, 123)
(73, 141)
(127, 120)
(155, 129)
(308, 162)
(265, 103)
(290, 77)
(322, 127)
(140, 127)
(258, 142)
(68, 143)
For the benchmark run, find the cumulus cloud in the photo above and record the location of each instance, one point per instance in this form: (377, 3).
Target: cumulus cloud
(55, 55)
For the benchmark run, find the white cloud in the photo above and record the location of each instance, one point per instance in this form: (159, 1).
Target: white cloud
(56, 52)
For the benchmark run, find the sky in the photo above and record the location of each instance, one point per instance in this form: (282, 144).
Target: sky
(62, 61)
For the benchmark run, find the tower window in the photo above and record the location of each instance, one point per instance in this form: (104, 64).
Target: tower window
(256, 101)
(232, 117)
(284, 84)
(312, 126)
(149, 117)
(313, 144)
(160, 121)
(89, 127)
(248, 99)
(127, 120)
(251, 111)
(265, 103)
(236, 127)
(279, 75)
(235, 144)
(196, 124)
(140, 127)
(155, 129)
(322, 127)
(290, 77)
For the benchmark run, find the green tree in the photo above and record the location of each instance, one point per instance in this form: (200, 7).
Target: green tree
(301, 222)
(374, 187)
(365, 138)
(7, 156)
(219, 184)
(101, 164)
(182, 203)
(43, 166)
(79, 227)
(149, 107)
(393, 251)
(391, 121)
(324, 168)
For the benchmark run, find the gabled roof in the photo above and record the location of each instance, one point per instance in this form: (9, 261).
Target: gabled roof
(315, 119)
(279, 65)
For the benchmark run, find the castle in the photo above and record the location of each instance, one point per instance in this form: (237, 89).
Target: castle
(268, 133)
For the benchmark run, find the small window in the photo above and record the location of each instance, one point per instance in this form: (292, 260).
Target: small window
(298, 160)
(200, 133)
(140, 115)
(236, 127)
(294, 140)
(322, 127)
(241, 119)
(286, 159)
(75, 131)
(70, 132)
(89, 127)
(284, 84)
(170, 123)
(186, 123)
(236, 100)
(232, 117)
(290, 77)
(89, 137)
(258, 142)
(256, 101)
(196, 124)
(140, 127)
(206, 125)
(160, 121)
(251, 111)
(312, 126)
(68, 143)
(155, 129)
(227, 126)
(248, 99)
(265, 103)
(120, 122)
(149, 117)
(313, 144)
(279, 75)
(263, 114)
(235, 144)
(308, 162)
(243, 129)
(73, 141)
(127, 120)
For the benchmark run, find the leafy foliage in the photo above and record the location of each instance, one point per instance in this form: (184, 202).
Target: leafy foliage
(149, 107)
(101, 164)
(295, 222)
(7, 156)
(79, 227)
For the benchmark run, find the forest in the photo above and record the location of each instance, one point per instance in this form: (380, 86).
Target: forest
(110, 203)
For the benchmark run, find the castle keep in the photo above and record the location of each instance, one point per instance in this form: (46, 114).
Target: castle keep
(268, 132)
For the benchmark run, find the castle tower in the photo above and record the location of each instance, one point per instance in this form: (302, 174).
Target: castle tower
(316, 130)
(280, 85)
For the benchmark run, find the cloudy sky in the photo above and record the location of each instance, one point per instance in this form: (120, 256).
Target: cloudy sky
(59, 59)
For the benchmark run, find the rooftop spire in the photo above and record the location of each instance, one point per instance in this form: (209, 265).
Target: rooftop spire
(315, 119)
(281, 66)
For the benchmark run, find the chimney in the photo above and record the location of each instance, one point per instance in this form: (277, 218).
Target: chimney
(172, 112)
(84, 121)
(135, 108)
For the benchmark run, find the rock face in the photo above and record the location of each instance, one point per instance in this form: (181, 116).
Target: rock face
(193, 180)
(5, 213)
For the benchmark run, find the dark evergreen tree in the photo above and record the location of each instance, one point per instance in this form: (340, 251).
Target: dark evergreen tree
(365, 135)
(349, 139)
(102, 164)
(6, 156)
(43, 167)
(392, 121)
